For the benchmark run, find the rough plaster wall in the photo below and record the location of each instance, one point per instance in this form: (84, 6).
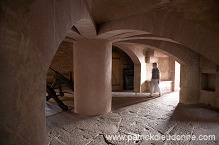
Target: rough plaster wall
(63, 60)
(149, 70)
(164, 65)
(207, 66)
(166, 70)
(190, 81)
(209, 97)
(22, 84)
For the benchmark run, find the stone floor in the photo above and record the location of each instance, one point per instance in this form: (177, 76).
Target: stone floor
(133, 114)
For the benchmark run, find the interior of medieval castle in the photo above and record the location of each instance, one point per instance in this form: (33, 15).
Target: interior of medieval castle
(79, 72)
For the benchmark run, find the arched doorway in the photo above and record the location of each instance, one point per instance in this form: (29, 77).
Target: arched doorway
(122, 71)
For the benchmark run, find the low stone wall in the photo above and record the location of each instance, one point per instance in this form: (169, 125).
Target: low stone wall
(165, 86)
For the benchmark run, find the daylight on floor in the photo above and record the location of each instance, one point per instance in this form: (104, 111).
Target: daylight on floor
(109, 72)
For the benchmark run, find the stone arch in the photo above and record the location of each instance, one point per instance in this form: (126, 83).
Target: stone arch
(130, 53)
(137, 64)
(172, 25)
(51, 23)
(189, 61)
(177, 51)
(172, 49)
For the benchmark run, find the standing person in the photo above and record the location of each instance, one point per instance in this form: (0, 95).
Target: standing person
(155, 80)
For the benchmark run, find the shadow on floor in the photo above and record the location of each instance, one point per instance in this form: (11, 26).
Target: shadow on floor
(120, 102)
(199, 113)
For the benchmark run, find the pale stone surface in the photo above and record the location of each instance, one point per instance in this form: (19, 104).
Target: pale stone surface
(92, 76)
(190, 81)
(144, 116)
(62, 61)
(209, 97)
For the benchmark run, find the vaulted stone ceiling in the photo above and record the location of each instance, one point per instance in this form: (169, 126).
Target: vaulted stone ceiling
(204, 12)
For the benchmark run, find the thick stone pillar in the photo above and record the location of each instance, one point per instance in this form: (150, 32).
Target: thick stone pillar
(92, 76)
(190, 81)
